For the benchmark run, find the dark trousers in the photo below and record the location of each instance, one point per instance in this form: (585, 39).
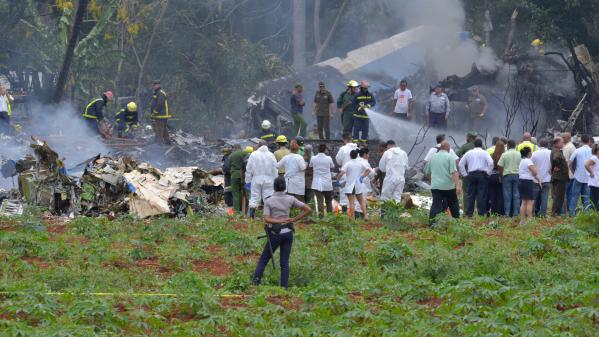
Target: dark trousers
(4, 122)
(347, 119)
(323, 124)
(496, 204)
(236, 192)
(594, 197)
(477, 192)
(161, 131)
(464, 193)
(542, 199)
(442, 199)
(322, 198)
(558, 193)
(361, 126)
(308, 195)
(93, 125)
(285, 241)
(437, 121)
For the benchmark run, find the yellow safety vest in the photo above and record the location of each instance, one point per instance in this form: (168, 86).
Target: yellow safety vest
(166, 111)
(8, 106)
(85, 114)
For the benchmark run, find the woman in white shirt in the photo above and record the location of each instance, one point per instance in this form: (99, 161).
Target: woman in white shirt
(592, 166)
(295, 169)
(355, 171)
(528, 184)
(322, 180)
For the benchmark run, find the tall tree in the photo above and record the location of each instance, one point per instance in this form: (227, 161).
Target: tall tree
(68, 58)
(299, 34)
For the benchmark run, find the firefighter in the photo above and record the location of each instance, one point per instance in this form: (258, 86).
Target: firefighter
(345, 105)
(363, 100)
(160, 114)
(6, 101)
(93, 113)
(127, 120)
(267, 134)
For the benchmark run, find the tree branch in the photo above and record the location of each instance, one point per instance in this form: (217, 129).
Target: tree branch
(326, 42)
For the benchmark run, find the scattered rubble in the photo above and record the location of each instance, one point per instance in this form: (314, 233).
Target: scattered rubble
(109, 185)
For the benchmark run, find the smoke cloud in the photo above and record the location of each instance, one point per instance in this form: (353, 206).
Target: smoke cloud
(450, 50)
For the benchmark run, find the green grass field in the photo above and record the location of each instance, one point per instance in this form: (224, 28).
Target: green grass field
(127, 277)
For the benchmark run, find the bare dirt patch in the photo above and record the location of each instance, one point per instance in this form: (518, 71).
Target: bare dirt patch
(252, 257)
(37, 261)
(289, 303)
(213, 267)
(432, 302)
(233, 303)
(371, 226)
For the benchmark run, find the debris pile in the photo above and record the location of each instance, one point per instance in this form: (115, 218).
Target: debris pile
(111, 186)
(43, 180)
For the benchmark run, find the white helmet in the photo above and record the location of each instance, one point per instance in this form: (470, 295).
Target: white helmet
(266, 124)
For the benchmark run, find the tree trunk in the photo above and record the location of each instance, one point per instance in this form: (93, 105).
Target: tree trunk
(68, 58)
(142, 65)
(299, 34)
(320, 48)
(510, 35)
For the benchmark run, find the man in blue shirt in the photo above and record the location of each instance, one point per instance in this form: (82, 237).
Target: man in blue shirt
(580, 186)
(297, 111)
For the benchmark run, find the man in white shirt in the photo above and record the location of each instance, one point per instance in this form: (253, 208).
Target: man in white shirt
(5, 110)
(477, 165)
(568, 151)
(435, 149)
(342, 158)
(542, 160)
(403, 102)
(580, 186)
(394, 164)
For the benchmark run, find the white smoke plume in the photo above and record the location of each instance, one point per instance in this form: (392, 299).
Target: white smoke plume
(449, 51)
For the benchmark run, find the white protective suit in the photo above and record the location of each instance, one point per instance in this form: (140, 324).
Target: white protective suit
(261, 171)
(394, 164)
(343, 158)
(295, 173)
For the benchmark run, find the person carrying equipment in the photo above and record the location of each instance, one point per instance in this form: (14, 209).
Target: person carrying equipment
(127, 120)
(93, 113)
(363, 100)
(279, 230)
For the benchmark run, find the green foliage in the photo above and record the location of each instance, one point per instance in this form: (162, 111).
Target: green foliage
(463, 278)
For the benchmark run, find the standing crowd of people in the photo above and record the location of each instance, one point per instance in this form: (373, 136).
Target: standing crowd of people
(515, 179)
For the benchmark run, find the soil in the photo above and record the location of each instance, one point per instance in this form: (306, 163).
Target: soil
(252, 257)
(57, 229)
(215, 249)
(432, 302)
(214, 267)
(370, 226)
(36, 261)
(286, 302)
(241, 226)
(233, 303)
(562, 307)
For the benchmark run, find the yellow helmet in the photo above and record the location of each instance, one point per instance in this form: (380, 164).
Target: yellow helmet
(18, 127)
(132, 107)
(352, 84)
(248, 149)
(281, 139)
(536, 43)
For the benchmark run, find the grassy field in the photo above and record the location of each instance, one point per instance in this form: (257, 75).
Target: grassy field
(127, 277)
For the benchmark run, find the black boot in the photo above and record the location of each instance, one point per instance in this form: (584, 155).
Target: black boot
(256, 281)
(344, 209)
(252, 213)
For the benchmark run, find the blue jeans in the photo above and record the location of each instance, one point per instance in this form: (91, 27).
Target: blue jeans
(569, 193)
(542, 197)
(579, 190)
(511, 195)
(285, 241)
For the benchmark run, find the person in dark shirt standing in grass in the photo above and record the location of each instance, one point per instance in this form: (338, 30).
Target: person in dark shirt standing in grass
(559, 177)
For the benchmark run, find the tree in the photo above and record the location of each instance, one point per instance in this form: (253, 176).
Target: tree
(321, 46)
(299, 34)
(68, 58)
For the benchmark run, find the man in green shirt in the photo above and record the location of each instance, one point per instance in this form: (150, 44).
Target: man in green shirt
(509, 169)
(445, 184)
(470, 138)
(345, 105)
(236, 164)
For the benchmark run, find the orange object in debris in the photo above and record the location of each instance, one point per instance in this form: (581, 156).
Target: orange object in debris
(230, 211)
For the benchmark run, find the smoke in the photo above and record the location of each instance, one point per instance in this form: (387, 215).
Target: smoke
(450, 50)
